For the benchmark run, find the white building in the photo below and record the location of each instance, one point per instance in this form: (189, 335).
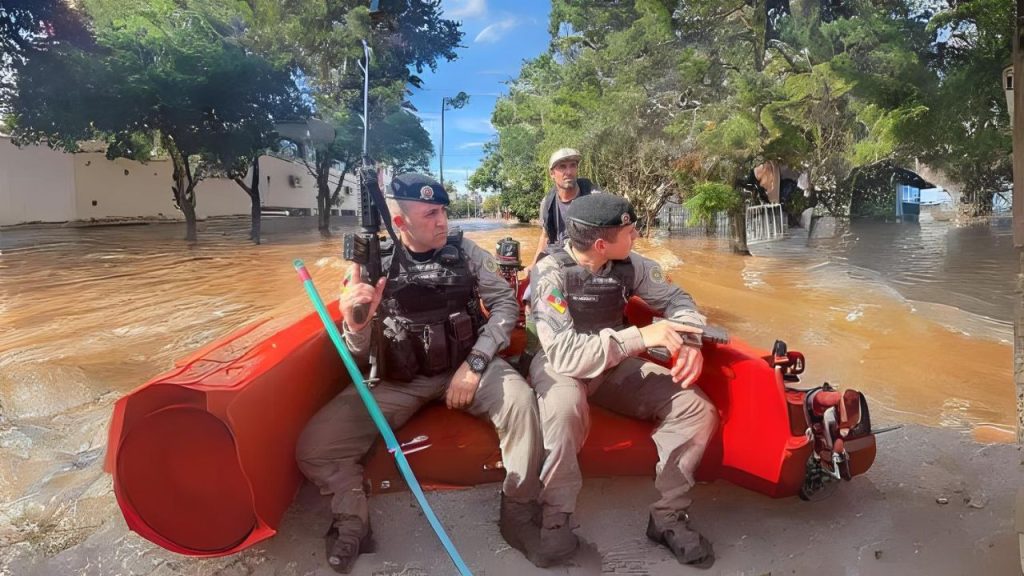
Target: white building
(38, 184)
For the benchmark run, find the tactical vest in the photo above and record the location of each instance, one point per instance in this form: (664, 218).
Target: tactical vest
(430, 312)
(596, 302)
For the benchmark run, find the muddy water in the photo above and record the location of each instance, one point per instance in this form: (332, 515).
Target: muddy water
(88, 314)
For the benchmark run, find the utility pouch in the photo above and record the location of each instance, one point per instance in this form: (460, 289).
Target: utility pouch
(400, 362)
(461, 337)
(435, 348)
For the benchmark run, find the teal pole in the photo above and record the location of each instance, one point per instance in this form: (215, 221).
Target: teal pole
(378, 418)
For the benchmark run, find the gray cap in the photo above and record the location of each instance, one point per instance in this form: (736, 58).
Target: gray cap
(563, 154)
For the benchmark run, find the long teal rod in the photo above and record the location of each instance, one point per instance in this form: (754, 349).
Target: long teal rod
(378, 418)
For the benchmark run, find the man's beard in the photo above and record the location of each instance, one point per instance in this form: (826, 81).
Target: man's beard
(570, 183)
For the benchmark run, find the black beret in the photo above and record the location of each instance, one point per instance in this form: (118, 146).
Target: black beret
(417, 187)
(602, 210)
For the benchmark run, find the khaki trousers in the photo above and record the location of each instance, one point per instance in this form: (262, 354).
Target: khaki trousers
(637, 389)
(332, 445)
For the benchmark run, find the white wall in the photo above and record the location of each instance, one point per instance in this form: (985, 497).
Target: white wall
(122, 188)
(36, 184)
(41, 185)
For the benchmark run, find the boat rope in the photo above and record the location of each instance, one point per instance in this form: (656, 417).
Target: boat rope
(378, 418)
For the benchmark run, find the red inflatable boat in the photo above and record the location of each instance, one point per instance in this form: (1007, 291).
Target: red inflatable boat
(203, 457)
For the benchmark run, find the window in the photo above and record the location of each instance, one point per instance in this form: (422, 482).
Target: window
(348, 190)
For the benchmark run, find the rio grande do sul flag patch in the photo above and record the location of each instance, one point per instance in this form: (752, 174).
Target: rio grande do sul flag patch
(556, 300)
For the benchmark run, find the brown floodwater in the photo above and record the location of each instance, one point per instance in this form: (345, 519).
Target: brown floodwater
(917, 317)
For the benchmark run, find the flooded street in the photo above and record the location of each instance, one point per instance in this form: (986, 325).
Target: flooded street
(917, 317)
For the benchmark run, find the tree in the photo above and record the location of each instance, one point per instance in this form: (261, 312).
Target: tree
(29, 27)
(323, 39)
(492, 206)
(966, 130)
(820, 86)
(397, 139)
(516, 177)
(163, 75)
(462, 208)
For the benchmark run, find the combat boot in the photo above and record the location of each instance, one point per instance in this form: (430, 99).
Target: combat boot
(688, 545)
(558, 542)
(347, 538)
(519, 525)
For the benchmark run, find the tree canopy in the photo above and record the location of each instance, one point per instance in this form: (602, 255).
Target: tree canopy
(662, 96)
(205, 81)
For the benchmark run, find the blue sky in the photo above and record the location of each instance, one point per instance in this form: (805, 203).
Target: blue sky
(498, 36)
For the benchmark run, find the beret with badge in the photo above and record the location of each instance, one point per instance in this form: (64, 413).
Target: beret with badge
(417, 188)
(602, 211)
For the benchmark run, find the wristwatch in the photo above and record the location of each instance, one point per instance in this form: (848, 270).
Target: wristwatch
(477, 362)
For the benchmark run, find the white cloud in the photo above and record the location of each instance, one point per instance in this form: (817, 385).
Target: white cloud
(476, 125)
(465, 8)
(469, 145)
(497, 31)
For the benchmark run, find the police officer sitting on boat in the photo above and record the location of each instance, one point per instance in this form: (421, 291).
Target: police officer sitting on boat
(436, 343)
(589, 354)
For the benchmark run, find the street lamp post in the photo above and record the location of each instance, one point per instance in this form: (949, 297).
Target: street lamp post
(455, 102)
(366, 94)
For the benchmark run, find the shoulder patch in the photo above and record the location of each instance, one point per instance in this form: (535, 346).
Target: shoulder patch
(491, 265)
(657, 275)
(556, 300)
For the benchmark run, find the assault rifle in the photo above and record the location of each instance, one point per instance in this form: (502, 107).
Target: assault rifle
(364, 248)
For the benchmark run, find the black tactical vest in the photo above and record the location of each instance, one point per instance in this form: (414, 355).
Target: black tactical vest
(430, 312)
(596, 302)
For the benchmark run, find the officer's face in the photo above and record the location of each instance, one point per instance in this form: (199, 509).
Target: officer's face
(619, 248)
(564, 173)
(424, 226)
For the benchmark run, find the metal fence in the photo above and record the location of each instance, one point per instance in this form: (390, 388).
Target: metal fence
(675, 218)
(765, 222)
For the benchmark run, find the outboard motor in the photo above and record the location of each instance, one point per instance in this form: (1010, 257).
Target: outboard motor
(506, 252)
(837, 422)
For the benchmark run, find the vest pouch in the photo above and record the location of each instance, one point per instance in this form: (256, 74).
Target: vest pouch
(461, 337)
(596, 306)
(435, 348)
(400, 362)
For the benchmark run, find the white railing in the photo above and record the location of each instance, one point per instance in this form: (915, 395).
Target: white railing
(765, 222)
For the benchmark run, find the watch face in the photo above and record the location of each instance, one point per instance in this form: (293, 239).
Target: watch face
(477, 363)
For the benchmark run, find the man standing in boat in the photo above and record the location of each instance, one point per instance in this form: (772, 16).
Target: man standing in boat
(589, 354)
(435, 343)
(563, 167)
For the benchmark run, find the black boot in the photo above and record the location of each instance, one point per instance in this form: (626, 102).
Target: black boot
(518, 522)
(558, 542)
(347, 538)
(520, 525)
(688, 546)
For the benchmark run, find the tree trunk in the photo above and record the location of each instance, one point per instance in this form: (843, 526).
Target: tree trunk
(189, 208)
(253, 191)
(254, 195)
(323, 196)
(738, 231)
(184, 189)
